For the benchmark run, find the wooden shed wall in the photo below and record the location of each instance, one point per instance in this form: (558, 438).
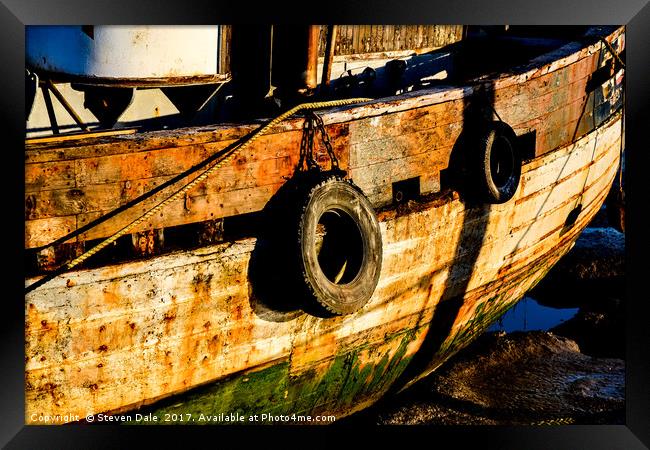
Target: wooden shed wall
(358, 39)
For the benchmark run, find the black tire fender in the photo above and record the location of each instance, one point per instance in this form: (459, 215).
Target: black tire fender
(499, 162)
(339, 246)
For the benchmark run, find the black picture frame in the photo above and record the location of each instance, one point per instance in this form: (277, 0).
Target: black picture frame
(15, 14)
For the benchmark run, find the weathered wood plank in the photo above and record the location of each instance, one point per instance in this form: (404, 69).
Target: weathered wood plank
(436, 142)
(555, 60)
(525, 106)
(560, 153)
(516, 246)
(147, 141)
(105, 170)
(449, 114)
(40, 232)
(537, 179)
(77, 136)
(557, 128)
(584, 197)
(106, 197)
(561, 78)
(523, 256)
(376, 180)
(69, 202)
(199, 208)
(49, 175)
(166, 161)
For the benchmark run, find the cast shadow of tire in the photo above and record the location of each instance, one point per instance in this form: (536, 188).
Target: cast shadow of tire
(276, 288)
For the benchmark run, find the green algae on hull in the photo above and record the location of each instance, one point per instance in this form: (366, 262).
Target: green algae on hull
(271, 395)
(260, 396)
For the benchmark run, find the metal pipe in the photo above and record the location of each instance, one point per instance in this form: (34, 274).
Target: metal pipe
(329, 56)
(50, 109)
(311, 79)
(66, 105)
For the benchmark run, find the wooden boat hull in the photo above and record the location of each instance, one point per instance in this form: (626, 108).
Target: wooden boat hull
(120, 336)
(117, 337)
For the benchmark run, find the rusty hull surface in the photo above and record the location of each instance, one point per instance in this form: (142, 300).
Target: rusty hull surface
(117, 337)
(122, 336)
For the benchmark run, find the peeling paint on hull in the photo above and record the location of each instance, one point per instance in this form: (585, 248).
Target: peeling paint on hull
(119, 337)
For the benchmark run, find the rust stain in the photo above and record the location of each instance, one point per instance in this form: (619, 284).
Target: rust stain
(111, 298)
(214, 345)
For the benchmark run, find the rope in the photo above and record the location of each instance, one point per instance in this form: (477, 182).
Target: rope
(621, 151)
(175, 196)
(556, 421)
(609, 47)
(495, 111)
(611, 50)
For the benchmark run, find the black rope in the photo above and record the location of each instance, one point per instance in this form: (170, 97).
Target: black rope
(611, 50)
